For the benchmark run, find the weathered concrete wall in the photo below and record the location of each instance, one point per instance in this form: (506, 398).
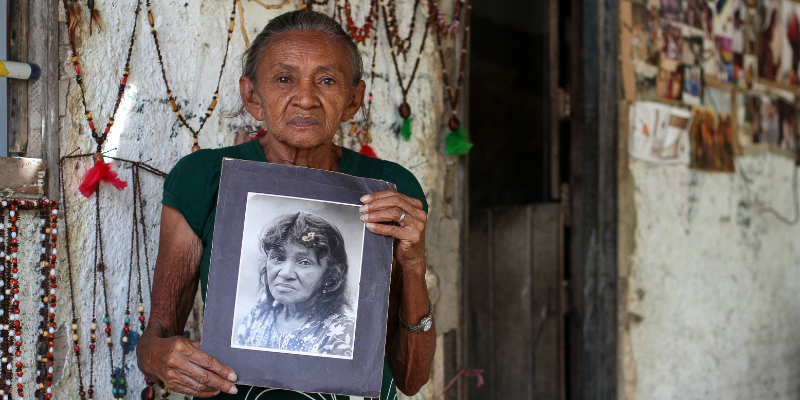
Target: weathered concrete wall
(709, 302)
(192, 36)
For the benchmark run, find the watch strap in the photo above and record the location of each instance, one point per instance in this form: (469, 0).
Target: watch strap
(424, 324)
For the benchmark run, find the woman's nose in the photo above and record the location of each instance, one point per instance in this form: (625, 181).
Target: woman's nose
(287, 270)
(306, 94)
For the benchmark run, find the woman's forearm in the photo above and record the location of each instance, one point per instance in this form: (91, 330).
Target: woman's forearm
(410, 355)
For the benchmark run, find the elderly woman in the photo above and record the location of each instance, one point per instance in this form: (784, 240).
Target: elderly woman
(304, 306)
(302, 77)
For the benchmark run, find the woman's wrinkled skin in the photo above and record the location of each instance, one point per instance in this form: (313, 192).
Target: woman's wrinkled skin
(304, 91)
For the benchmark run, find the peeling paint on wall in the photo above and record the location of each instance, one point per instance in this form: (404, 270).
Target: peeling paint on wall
(711, 303)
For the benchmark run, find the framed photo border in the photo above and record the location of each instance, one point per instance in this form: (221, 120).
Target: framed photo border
(360, 376)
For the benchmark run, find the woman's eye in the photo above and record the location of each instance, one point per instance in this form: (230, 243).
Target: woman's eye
(276, 258)
(304, 262)
(328, 81)
(283, 79)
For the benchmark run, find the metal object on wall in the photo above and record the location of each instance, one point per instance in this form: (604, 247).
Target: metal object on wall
(21, 178)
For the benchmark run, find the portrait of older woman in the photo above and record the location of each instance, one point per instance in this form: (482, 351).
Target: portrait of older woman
(303, 296)
(302, 77)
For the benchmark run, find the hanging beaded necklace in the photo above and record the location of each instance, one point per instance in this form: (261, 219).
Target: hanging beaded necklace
(438, 20)
(48, 225)
(10, 297)
(402, 45)
(273, 6)
(119, 383)
(358, 33)
(404, 109)
(456, 142)
(101, 138)
(171, 97)
(362, 132)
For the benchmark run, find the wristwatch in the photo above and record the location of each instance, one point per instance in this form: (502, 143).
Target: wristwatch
(424, 325)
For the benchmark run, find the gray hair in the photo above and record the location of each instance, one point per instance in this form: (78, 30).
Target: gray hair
(301, 20)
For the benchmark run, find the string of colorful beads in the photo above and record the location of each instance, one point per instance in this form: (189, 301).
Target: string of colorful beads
(454, 96)
(438, 20)
(404, 109)
(10, 320)
(272, 6)
(391, 21)
(362, 132)
(172, 101)
(16, 324)
(44, 358)
(8, 253)
(101, 138)
(358, 33)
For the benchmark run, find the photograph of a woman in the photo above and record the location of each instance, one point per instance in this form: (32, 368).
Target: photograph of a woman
(298, 276)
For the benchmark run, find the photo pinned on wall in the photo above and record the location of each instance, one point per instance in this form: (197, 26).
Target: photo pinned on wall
(769, 123)
(672, 43)
(713, 145)
(669, 83)
(696, 11)
(788, 71)
(692, 50)
(646, 81)
(750, 31)
(672, 10)
(291, 260)
(659, 133)
(710, 61)
(692, 85)
(769, 45)
(750, 71)
(723, 18)
(726, 60)
(646, 34)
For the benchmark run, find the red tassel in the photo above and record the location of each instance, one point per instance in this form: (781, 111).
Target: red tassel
(100, 172)
(367, 151)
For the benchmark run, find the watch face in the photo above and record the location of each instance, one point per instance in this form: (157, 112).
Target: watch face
(427, 325)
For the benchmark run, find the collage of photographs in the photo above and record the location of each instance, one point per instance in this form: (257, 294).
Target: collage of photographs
(714, 79)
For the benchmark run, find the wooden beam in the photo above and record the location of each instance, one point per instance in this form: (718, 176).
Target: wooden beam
(17, 88)
(43, 140)
(592, 267)
(556, 100)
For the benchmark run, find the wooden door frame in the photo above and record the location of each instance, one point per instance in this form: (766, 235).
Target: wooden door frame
(594, 37)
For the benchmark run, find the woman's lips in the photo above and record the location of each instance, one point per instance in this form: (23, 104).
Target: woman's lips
(302, 122)
(284, 287)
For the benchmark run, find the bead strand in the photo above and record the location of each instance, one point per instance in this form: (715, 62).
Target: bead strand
(101, 138)
(170, 97)
(358, 33)
(7, 253)
(438, 20)
(16, 324)
(48, 285)
(454, 96)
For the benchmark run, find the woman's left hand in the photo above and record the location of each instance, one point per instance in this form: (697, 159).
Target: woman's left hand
(392, 206)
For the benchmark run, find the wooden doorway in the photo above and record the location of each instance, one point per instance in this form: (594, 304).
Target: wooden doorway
(542, 175)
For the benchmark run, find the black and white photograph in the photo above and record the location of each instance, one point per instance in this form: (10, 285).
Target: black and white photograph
(298, 288)
(298, 276)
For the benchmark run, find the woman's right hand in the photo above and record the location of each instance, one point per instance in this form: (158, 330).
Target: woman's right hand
(179, 365)
(163, 354)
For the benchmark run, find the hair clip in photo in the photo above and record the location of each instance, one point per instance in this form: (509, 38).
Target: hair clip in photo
(308, 237)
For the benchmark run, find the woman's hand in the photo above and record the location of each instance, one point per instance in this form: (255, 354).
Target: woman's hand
(392, 206)
(179, 365)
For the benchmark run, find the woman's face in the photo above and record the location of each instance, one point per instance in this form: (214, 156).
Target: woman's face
(294, 275)
(303, 89)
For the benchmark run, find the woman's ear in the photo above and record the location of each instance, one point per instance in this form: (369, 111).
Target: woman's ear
(356, 101)
(250, 98)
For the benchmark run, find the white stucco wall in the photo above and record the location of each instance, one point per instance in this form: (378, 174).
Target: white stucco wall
(192, 37)
(710, 306)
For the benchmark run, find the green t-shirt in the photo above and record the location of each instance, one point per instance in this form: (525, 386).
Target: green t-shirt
(191, 188)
